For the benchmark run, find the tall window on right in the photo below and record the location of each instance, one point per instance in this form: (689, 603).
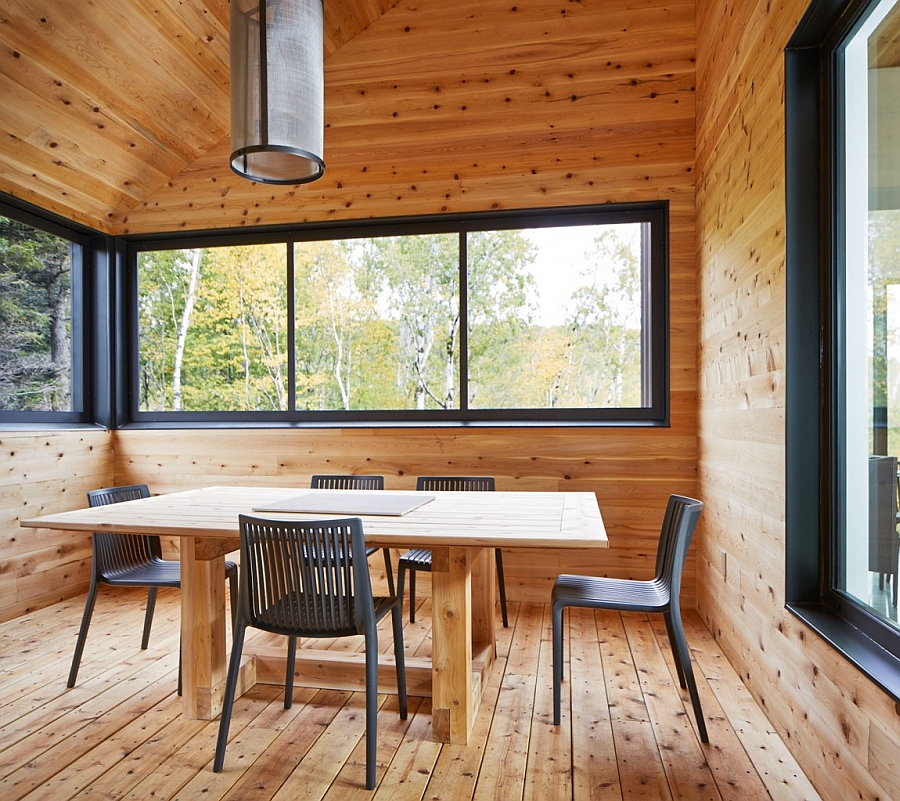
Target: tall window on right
(868, 394)
(843, 329)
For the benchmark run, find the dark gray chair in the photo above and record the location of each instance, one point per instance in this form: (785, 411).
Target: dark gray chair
(660, 594)
(884, 543)
(131, 560)
(350, 482)
(296, 580)
(420, 558)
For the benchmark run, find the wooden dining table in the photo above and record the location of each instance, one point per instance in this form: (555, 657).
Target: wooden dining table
(460, 528)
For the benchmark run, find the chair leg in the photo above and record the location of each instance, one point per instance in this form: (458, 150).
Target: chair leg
(289, 673)
(148, 616)
(399, 658)
(234, 668)
(233, 597)
(556, 617)
(401, 582)
(371, 703)
(82, 632)
(389, 571)
(412, 596)
(678, 666)
(501, 586)
(684, 655)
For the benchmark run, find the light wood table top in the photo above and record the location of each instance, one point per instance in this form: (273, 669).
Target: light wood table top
(479, 519)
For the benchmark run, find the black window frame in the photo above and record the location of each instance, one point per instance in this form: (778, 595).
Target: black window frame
(82, 335)
(655, 358)
(814, 304)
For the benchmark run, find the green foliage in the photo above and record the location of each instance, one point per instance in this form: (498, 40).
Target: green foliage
(417, 281)
(377, 327)
(235, 347)
(593, 360)
(35, 300)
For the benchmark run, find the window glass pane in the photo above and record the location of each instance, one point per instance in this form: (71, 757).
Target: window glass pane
(213, 329)
(870, 390)
(36, 371)
(559, 321)
(555, 317)
(377, 323)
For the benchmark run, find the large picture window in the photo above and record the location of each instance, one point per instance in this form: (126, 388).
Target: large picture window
(40, 319)
(551, 316)
(844, 329)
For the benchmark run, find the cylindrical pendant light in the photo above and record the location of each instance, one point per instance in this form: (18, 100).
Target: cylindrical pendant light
(277, 90)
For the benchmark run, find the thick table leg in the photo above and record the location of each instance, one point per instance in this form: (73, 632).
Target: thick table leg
(202, 627)
(484, 603)
(462, 619)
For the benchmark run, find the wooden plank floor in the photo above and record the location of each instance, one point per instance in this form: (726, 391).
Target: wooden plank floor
(627, 729)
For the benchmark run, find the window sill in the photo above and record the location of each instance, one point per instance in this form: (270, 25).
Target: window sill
(882, 667)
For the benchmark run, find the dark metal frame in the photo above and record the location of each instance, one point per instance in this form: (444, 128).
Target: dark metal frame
(655, 310)
(815, 329)
(89, 247)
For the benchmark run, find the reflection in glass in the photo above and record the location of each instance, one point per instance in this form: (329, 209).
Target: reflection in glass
(870, 407)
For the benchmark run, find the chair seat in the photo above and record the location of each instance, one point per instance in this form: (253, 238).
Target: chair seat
(156, 573)
(303, 616)
(417, 559)
(621, 594)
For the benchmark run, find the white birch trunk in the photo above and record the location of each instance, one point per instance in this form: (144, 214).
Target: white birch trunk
(183, 328)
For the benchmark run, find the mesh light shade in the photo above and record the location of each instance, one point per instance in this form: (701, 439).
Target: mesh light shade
(277, 90)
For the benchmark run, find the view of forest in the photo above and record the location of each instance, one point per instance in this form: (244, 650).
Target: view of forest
(553, 321)
(377, 323)
(35, 319)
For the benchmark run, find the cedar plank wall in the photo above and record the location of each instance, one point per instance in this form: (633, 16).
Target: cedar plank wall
(45, 472)
(842, 729)
(474, 105)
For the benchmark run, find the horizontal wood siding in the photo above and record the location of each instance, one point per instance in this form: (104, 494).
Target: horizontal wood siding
(41, 473)
(841, 728)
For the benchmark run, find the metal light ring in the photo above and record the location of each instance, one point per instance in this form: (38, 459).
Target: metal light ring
(312, 158)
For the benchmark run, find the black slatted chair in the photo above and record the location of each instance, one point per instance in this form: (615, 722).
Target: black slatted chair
(131, 560)
(348, 482)
(660, 594)
(296, 580)
(420, 558)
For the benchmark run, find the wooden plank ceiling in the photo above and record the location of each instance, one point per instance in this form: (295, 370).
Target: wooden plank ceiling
(105, 101)
(116, 114)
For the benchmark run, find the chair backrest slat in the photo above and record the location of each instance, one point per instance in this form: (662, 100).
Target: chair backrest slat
(116, 553)
(455, 483)
(304, 578)
(678, 526)
(347, 482)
